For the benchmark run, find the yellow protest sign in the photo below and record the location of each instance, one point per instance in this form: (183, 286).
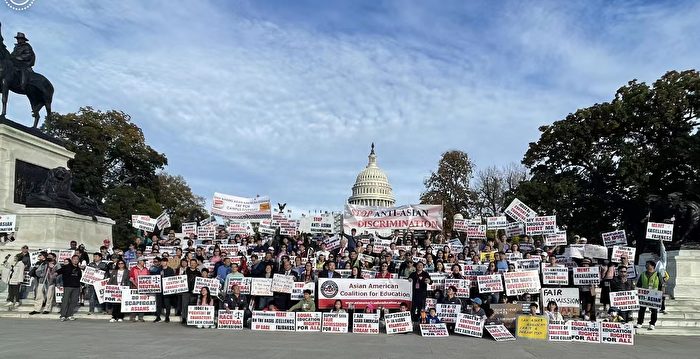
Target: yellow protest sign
(487, 256)
(531, 327)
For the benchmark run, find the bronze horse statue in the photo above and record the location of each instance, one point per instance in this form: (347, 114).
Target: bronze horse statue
(38, 89)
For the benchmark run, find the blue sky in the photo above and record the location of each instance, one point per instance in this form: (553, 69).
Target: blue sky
(284, 97)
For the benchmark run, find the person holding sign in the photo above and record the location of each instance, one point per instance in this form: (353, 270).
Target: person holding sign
(186, 297)
(622, 283)
(648, 280)
(237, 301)
(306, 304)
(120, 277)
(552, 312)
(476, 309)
(134, 274)
(163, 301)
(205, 299)
(99, 264)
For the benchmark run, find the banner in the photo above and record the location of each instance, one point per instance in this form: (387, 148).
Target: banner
(308, 321)
(233, 207)
(448, 312)
(558, 275)
(492, 283)
(559, 331)
(575, 251)
(541, 225)
(476, 231)
(614, 238)
(417, 216)
(616, 333)
(660, 231)
(132, 302)
(626, 300)
(622, 251)
(462, 286)
(387, 293)
(211, 283)
(515, 229)
(558, 238)
(496, 222)
(230, 319)
(365, 323)
(175, 284)
(469, 325)
(434, 330)
(8, 223)
(567, 300)
(144, 223)
(518, 283)
(91, 275)
(650, 298)
(299, 287)
(585, 332)
(586, 276)
(148, 284)
(282, 283)
(335, 323)
(200, 315)
(531, 327)
(274, 321)
(163, 221)
(189, 229)
(499, 333)
(519, 211)
(398, 323)
(261, 287)
(113, 293)
(317, 224)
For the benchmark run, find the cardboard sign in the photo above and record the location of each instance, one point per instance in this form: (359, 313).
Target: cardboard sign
(518, 283)
(531, 327)
(148, 284)
(274, 321)
(230, 319)
(541, 225)
(8, 223)
(398, 323)
(282, 283)
(519, 211)
(660, 231)
(335, 323)
(626, 300)
(585, 332)
(448, 312)
(58, 294)
(558, 275)
(308, 321)
(622, 251)
(559, 331)
(492, 283)
(586, 276)
(434, 330)
(365, 323)
(244, 285)
(499, 333)
(532, 264)
(614, 238)
(113, 293)
(462, 286)
(469, 325)
(200, 315)
(132, 302)
(175, 284)
(567, 299)
(506, 313)
(496, 222)
(650, 298)
(557, 238)
(91, 275)
(616, 333)
(212, 283)
(261, 287)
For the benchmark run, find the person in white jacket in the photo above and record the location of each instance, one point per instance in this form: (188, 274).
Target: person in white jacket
(13, 274)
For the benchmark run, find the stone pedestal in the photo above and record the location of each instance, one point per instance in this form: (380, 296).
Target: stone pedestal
(684, 269)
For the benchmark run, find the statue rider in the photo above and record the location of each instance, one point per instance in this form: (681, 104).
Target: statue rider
(23, 57)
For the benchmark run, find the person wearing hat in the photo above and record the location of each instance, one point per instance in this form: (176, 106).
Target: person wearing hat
(588, 294)
(23, 58)
(476, 308)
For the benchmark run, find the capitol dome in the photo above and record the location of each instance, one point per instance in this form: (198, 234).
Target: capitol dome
(372, 187)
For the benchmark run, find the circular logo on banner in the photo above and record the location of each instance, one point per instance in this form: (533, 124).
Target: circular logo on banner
(329, 289)
(19, 5)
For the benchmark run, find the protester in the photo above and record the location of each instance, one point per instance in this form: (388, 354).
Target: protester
(14, 272)
(134, 274)
(186, 297)
(205, 299)
(338, 307)
(306, 304)
(70, 275)
(622, 283)
(120, 277)
(552, 312)
(96, 263)
(420, 281)
(648, 280)
(163, 301)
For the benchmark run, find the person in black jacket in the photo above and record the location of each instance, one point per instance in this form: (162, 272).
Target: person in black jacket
(71, 274)
(420, 280)
(163, 301)
(237, 301)
(330, 272)
(192, 273)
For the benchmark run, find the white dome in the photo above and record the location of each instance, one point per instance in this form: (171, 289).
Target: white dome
(372, 187)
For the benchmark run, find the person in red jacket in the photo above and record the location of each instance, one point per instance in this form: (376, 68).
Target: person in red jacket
(134, 274)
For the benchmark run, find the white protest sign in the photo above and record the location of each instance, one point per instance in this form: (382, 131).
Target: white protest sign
(585, 332)
(558, 238)
(532, 264)
(175, 284)
(163, 221)
(132, 302)
(541, 225)
(365, 323)
(622, 251)
(189, 229)
(8, 223)
(200, 315)
(558, 275)
(519, 211)
(58, 292)
(448, 312)
(299, 287)
(518, 283)
(595, 251)
(660, 231)
(211, 283)
(148, 284)
(460, 225)
(650, 298)
(230, 319)
(282, 283)
(500, 222)
(144, 223)
(335, 323)
(558, 331)
(244, 284)
(476, 231)
(575, 251)
(625, 300)
(274, 321)
(462, 286)
(614, 238)
(492, 283)
(434, 330)
(261, 287)
(499, 332)
(567, 299)
(398, 323)
(586, 276)
(317, 224)
(308, 321)
(100, 289)
(515, 229)
(471, 271)
(616, 333)
(91, 275)
(469, 325)
(113, 293)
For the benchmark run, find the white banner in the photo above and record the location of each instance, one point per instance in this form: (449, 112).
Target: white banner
(387, 293)
(518, 283)
(175, 284)
(398, 323)
(469, 325)
(274, 321)
(418, 216)
(317, 224)
(335, 323)
(200, 315)
(492, 283)
(233, 207)
(519, 211)
(308, 321)
(626, 300)
(622, 251)
(230, 319)
(660, 231)
(144, 223)
(434, 330)
(8, 223)
(614, 238)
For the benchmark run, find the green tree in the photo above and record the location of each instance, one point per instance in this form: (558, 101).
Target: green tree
(597, 168)
(449, 185)
(177, 199)
(493, 185)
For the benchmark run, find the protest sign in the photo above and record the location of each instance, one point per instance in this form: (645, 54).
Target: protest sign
(519, 211)
(585, 332)
(518, 283)
(365, 323)
(207, 232)
(175, 284)
(469, 325)
(515, 229)
(625, 300)
(144, 223)
(448, 312)
(499, 333)
(462, 286)
(471, 271)
(559, 331)
(567, 300)
(238, 227)
(398, 323)
(575, 251)
(91, 275)
(234, 207)
(148, 284)
(506, 313)
(8, 223)
(261, 287)
(622, 251)
(532, 264)
(434, 330)
(317, 224)
(58, 293)
(132, 302)
(492, 283)
(616, 333)
(189, 229)
(335, 323)
(614, 238)
(586, 276)
(299, 287)
(200, 315)
(595, 251)
(274, 321)
(430, 303)
(460, 225)
(308, 321)
(163, 221)
(557, 275)
(387, 293)
(113, 293)
(282, 283)
(212, 283)
(541, 225)
(100, 289)
(531, 327)
(437, 281)
(500, 222)
(230, 319)
(415, 216)
(650, 298)
(557, 238)
(660, 231)
(487, 256)
(476, 231)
